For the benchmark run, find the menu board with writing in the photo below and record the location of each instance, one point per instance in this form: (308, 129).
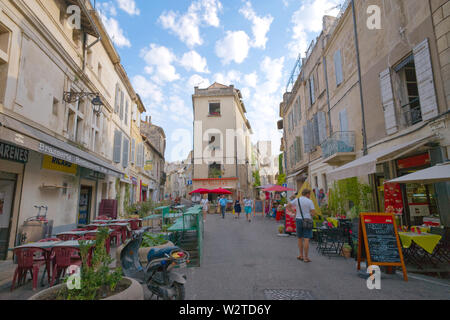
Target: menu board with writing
(259, 206)
(379, 242)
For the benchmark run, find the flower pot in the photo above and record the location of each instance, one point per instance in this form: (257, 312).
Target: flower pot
(133, 291)
(347, 252)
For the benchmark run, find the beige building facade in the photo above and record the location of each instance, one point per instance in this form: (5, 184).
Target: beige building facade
(392, 120)
(222, 146)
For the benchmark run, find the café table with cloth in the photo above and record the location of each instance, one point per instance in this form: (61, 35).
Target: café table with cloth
(419, 248)
(334, 221)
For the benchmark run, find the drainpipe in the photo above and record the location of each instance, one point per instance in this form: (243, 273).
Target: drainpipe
(359, 80)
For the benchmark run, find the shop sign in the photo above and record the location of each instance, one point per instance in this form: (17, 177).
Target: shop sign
(412, 162)
(13, 153)
(55, 164)
(91, 174)
(148, 165)
(134, 181)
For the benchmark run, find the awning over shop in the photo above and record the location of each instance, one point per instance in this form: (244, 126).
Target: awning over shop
(23, 135)
(367, 165)
(436, 174)
(297, 173)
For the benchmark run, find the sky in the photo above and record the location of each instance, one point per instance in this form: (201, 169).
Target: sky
(169, 47)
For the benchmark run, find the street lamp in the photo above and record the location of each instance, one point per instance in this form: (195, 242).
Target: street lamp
(72, 97)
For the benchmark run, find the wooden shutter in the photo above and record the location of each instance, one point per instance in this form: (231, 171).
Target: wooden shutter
(338, 67)
(117, 146)
(343, 120)
(315, 127)
(117, 100)
(425, 81)
(387, 99)
(121, 105)
(298, 142)
(126, 150)
(126, 112)
(133, 150)
(322, 127)
(139, 156)
(306, 140)
(299, 110)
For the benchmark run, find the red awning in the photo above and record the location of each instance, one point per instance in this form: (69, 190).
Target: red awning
(220, 191)
(201, 191)
(277, 189)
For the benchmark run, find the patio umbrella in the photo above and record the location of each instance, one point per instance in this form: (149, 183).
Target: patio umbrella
(436, 174)
(277, 188)
(201, 191)
(220, 191)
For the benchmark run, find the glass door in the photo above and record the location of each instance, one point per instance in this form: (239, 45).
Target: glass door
(7, 186)
(84, 207)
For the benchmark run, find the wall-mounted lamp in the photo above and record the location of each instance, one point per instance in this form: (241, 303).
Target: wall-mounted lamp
(72, 97)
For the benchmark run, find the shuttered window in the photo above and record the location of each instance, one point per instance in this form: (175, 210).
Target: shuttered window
(121, 105)
(139, 156)
(117, 146)
(298, 144)
(126, 150)
(126, 112)
(425, 81)
(299, 109)
(306, 139)
(338, 67)
(315, 125)
(117, 99)
(133, 151)
(387, 98)
(322, 127)
(311, 90)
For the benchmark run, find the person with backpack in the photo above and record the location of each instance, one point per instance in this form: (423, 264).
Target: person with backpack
(305, 211)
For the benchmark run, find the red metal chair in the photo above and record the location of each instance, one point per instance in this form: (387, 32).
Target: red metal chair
(134, 224)
(81, 229)
(49, 240)
(64, 257)
(103, 218)
(68, 237)
(26, 262)
(118, 231)
(91, 228)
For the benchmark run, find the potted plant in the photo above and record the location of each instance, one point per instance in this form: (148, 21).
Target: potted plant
(281, 229)
(347, 251)
(97, 280)
(153, 241)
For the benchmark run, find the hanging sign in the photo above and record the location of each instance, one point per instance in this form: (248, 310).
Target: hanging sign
(378, 241)
(148, 165)
(13, 153)
(55, 164)
(393, 200)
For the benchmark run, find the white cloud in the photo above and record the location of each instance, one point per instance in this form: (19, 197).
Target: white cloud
(251, 79)
(231, 77)
(234, 47)
(261, 25)
(114, 31)
(308, 18)
(193, 61)
(129, 6)
(187, 26)
(107, 8)
(159, 61)
(147, 90)
(197, 81)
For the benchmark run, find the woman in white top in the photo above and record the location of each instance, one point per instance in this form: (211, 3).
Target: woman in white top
(205, 206)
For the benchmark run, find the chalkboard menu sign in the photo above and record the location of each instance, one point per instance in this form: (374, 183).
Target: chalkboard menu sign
(379, 242)
(259, 206)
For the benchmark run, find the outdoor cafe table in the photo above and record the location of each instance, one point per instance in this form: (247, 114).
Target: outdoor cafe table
(426, 241)
(334, 221)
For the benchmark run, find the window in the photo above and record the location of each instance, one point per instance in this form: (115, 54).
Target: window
(117, 146)
(4, 48)
(408, 93)
(214, 141)
(311, 90)
(299, 109)
(89, 58)
(338, 67)
(117, 99)
(214, 109)
(122, 96)
(214, 170)
(75, 117)
(126, 150)
(99, 72)
(133, 150)
(126, 113)
(55, 107)
(298, 149)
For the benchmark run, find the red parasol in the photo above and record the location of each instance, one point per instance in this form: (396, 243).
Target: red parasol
(220, 191)
(201, 191)
(277, 188)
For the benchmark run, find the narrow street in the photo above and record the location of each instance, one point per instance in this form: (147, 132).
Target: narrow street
(241, 260)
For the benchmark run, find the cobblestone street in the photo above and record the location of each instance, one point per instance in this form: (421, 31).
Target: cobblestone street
(242, 261)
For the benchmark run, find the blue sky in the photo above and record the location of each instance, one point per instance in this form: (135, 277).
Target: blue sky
(168, 47)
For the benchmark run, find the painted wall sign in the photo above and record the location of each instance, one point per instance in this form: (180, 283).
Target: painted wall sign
(55, 164)
(13, 153)
(416, 161)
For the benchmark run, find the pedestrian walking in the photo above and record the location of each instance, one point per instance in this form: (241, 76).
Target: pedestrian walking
(237, 208)
(305, 211)
(248, 203)
(205, 206)
(223, 205)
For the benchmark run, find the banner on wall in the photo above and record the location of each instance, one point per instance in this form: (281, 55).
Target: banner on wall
(393, 200)
(55, 164)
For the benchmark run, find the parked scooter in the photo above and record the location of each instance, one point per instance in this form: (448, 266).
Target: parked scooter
(159, 274)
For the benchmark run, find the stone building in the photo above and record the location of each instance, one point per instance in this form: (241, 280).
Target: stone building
(59, 147)
(382, 118)
(222, 146)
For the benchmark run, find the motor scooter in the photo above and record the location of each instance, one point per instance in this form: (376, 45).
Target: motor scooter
(159, 274)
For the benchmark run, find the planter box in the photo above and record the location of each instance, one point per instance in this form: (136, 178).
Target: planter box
(133, 292)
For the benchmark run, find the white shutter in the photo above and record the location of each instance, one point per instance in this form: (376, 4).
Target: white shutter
(322, 127)
(338, 67)
(306, 141)
(343, 120)
(116, 105)
(139, 155)
(387, 98)
(121, 105)
(425, 81)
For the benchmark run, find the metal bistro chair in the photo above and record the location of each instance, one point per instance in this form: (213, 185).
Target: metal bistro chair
(26, 262)
(64, 257)
(332, 241)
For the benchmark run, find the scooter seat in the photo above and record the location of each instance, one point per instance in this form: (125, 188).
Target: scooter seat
(159, 253)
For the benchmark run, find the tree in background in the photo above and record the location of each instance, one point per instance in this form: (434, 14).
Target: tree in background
(256, 179)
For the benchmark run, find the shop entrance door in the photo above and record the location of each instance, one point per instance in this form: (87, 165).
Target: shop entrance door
(84, 207)
(7, 186)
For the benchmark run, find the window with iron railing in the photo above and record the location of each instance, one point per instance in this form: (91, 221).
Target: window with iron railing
(411, 113)
(339, 142)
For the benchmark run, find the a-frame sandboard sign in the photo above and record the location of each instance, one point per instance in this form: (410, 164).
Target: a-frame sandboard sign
(378, 241)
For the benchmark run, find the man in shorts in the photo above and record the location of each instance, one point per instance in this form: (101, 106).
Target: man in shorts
(248, 203)
(303, 235)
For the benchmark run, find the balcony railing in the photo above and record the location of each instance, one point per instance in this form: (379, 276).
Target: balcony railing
(411, 113)
(339, 142)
